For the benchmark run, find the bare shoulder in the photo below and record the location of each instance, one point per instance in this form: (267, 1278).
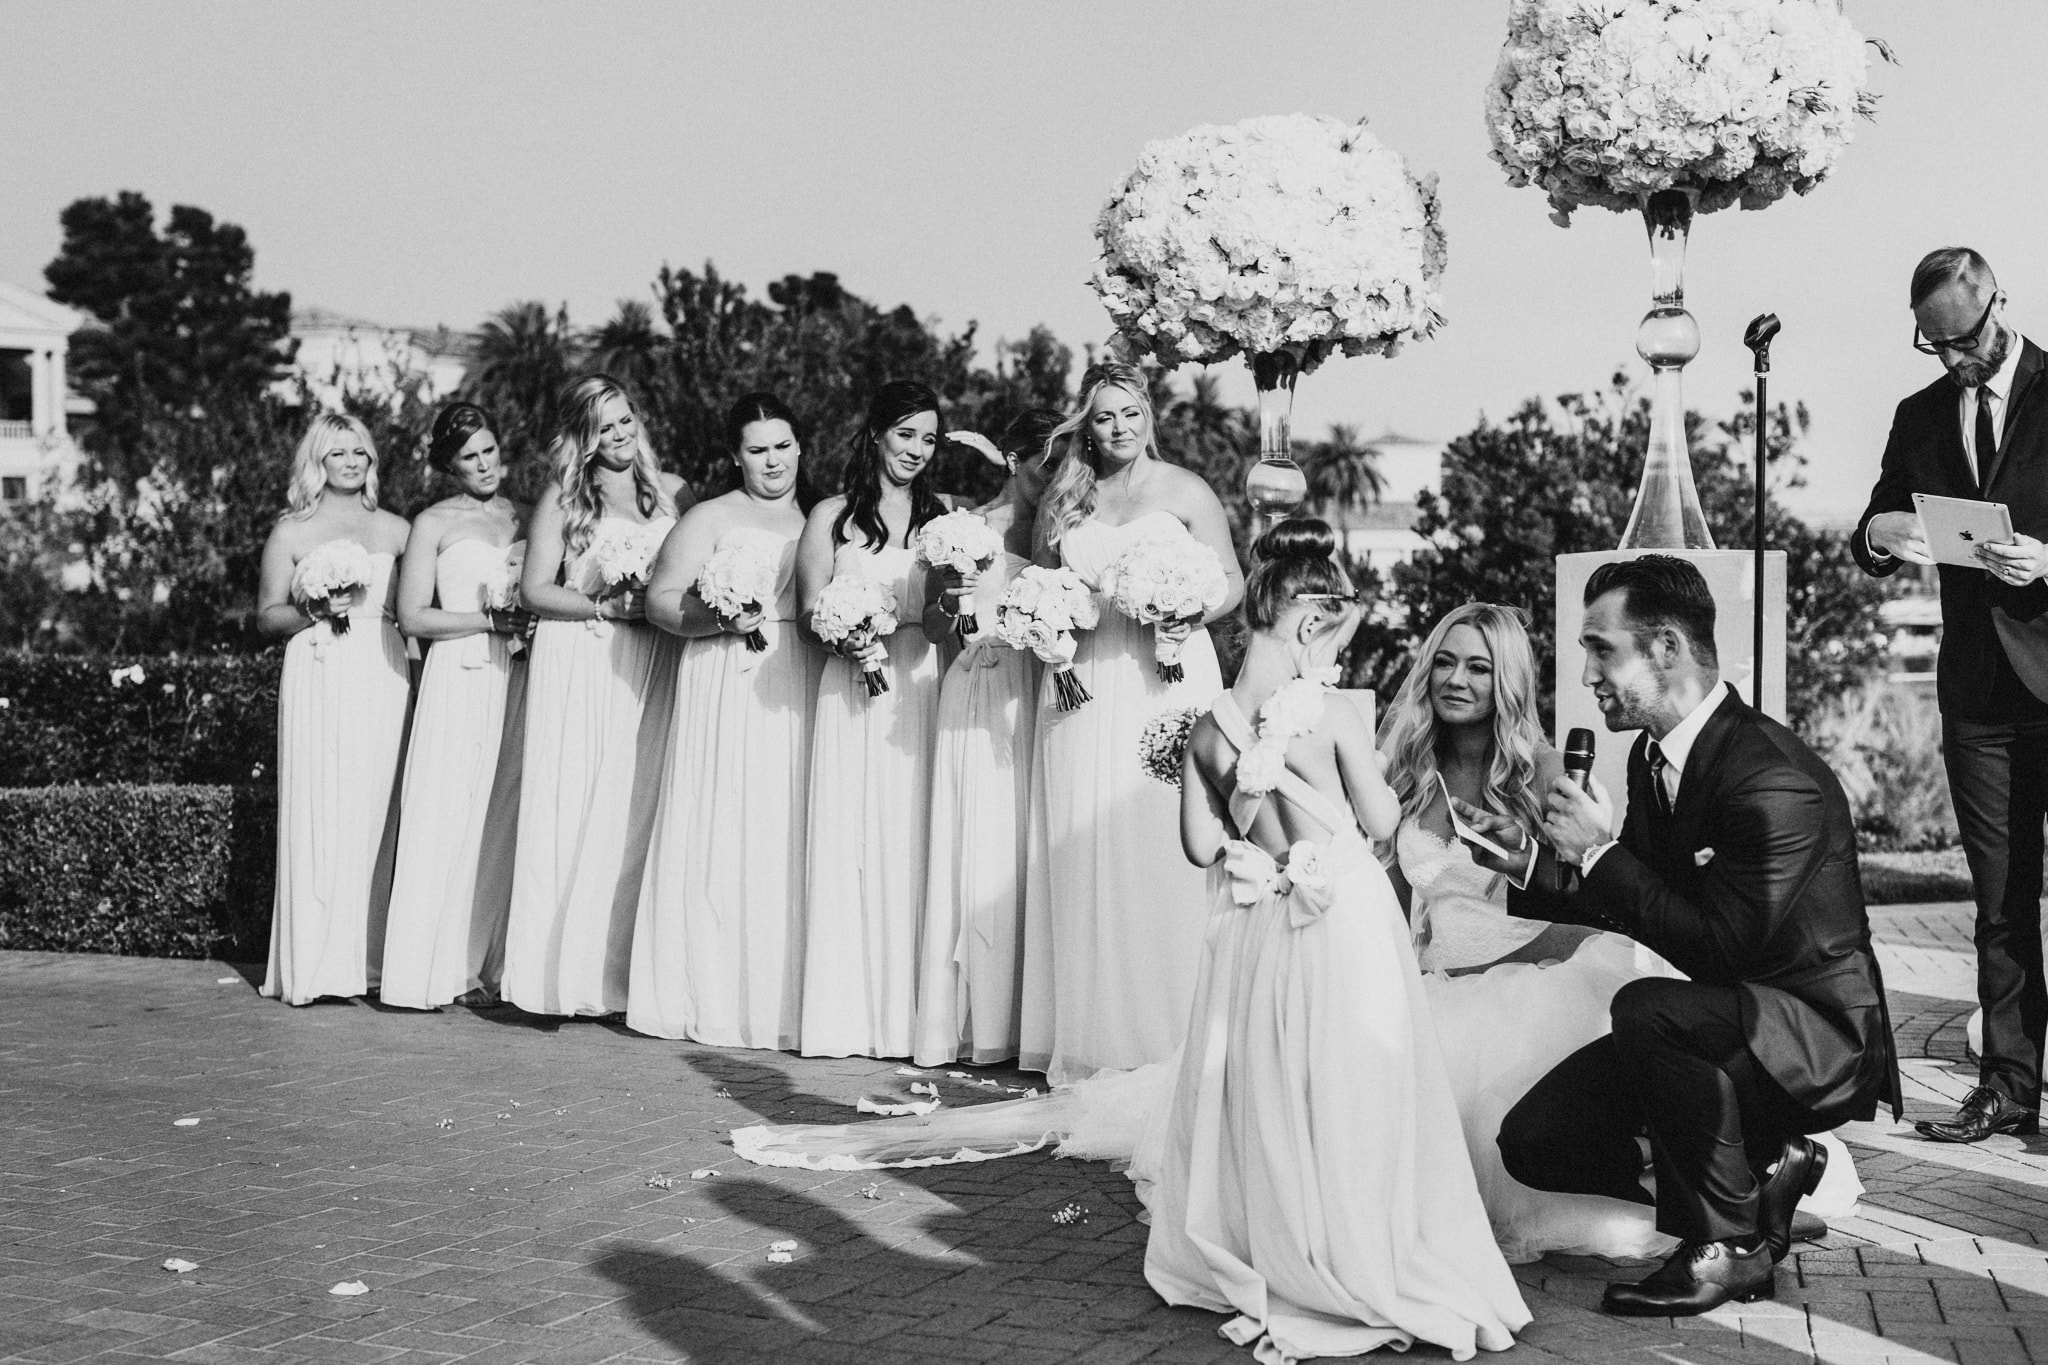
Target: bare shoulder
(826, 509)
(1183, 487)
(293, 535)
(391, 529)
(1341, 721)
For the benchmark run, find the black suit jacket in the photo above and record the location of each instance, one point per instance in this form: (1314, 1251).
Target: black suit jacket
(1980, 616)
(1776, 910)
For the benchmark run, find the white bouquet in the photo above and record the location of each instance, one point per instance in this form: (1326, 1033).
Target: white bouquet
(959, 542)
(855, 611)
(623, 554)
(1164, 742)
(1040, 611)
(332, 573)
(1159, 581)
(1291, 232)
(501, 588)
(1735, 100)
(740, 577)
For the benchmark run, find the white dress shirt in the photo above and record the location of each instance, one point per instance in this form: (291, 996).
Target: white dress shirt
(1676, 747)
(1999, 386)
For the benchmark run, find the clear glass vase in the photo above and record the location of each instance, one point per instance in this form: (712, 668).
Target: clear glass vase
(1667, 514)
(1275, 486)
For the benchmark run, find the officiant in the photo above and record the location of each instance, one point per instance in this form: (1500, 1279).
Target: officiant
(1981, 432)
(1737, 863)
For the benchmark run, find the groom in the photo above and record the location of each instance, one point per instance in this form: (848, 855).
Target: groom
(1738, 865)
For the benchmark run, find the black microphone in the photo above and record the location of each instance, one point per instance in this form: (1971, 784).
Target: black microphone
(1578, 756)
(1758, 336)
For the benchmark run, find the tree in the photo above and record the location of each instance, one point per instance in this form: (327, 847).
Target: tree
(525, 355)
(182, 330)
(1343, 474)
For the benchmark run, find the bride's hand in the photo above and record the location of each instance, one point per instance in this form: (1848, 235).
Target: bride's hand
(1503, 831)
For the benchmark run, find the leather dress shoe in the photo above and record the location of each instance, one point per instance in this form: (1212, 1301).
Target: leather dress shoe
(1984, 1112)
(1699, 1277)
(1798, 1174)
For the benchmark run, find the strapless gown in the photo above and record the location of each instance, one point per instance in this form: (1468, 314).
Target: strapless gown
(341, 705)
(459, 811)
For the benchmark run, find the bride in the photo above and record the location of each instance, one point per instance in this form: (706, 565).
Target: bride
(1511, 997)
(1291, 1158)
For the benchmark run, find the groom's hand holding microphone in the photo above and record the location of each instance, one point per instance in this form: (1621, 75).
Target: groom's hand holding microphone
(1578, 815)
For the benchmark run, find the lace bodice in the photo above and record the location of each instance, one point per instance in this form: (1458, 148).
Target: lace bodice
(1459, 913)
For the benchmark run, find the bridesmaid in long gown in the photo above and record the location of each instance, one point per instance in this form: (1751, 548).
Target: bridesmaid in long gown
(871, 757)
(1111, 948)
(972, 958)
(458, 812)
(599, 694)
(341, 707)
(1309, 1178)
(718, 946)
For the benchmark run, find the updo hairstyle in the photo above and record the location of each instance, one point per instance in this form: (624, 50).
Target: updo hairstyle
(453, 426)
(1297, 556)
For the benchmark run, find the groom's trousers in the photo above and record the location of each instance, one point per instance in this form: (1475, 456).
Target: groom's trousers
(1678, 1066)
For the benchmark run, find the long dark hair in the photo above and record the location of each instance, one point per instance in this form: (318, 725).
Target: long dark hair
(762, 406)
(897, 399)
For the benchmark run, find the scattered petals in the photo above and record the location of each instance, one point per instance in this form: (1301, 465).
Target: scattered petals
(348, 1289)
(894, 1108)
(660, 1182)
(722, 1093)
(1072, 1213)
(782, 1246)
(920, 1088)
(871, 1191)
(180, 1266)
(703, 1174)
(956, 1075)
(184, 1123)
(780, 1257)
(226, 980)
(445, 1123)
(911, 1071)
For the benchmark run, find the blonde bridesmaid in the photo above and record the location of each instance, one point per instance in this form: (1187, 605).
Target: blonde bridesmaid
(871, 757)
(971, 960)
(341, 707)
(598, 698)
(718, 946)
(445, 938)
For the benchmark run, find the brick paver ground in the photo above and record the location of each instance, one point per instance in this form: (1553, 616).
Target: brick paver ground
(516, 1189)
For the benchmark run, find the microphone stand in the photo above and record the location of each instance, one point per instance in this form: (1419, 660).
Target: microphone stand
(1758, 338)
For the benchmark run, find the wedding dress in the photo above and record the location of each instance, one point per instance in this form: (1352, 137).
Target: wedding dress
(718, 946)
(971, 962)
(459, 809)
(341, 706)
(1503, 1029)
(1111, 949)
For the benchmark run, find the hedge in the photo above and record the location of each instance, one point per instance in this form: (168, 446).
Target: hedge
(156, 871)
(208, 718)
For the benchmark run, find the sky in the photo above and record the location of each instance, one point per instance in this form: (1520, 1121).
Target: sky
(417, 164)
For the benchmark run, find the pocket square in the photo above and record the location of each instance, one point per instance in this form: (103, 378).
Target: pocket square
(1703, 857)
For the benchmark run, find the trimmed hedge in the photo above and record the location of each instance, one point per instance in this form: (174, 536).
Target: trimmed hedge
(209, 718)
(151, 871)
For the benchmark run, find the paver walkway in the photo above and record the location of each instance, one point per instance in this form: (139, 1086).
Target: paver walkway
(511, 1189)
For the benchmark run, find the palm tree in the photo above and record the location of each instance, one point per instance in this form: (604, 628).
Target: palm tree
(524, 357)
(1343, 474)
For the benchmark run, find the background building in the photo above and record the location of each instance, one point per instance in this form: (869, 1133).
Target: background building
(35, 438)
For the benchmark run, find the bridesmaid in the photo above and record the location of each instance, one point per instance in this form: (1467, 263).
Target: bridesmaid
(341, 707)
(718, 946)
(871, 757)
(1113, 920)
(598, 698)
(971, 959)
(445, 938)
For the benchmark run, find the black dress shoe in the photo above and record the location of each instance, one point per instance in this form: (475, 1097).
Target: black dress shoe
(1984, 1112)
(1798, 1174)
(1699, 1277)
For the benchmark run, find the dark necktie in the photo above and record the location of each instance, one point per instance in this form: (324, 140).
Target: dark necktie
(1987, 438)
(1658, 763)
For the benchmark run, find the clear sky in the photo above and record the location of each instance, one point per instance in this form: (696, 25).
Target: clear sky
(428, 163)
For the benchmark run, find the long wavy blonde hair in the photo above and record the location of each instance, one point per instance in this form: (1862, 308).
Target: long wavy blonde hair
(1069, 496)
(581, 408)
(1408, 732)
(329, 431)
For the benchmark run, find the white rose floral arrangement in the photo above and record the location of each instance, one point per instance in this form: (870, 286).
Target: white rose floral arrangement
(959, 542)
(1040, 611)
(1295, 233)
(1606, 102)
(741, 576)
(853, 612)
(501, 590)
(332, 574)
(1156, 582)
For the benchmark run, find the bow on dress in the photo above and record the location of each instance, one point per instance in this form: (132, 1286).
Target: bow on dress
(1254, 875)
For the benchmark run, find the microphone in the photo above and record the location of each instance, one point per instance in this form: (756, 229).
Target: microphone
(1758, 336)
(1578, 756)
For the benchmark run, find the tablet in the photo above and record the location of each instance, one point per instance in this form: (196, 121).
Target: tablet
(1472, 836)
(1955, 527)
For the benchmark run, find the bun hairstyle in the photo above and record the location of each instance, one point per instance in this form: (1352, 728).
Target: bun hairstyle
(1029, 435)
(1296, 556)
(453, 426)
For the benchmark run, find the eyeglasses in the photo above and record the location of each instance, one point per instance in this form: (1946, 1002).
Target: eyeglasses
(1962, 345)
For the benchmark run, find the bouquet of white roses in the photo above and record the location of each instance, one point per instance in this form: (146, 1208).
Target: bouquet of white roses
(332, 573)
(855, 611)
(740, 577)
(1040, 611)
(1159, 581)
(1737, 101)
(959, 542)
(501, 588)
(623, 554)
(1289, 232)
(1164, 742)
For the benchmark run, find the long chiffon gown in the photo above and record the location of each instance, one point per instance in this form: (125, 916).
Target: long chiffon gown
(869, 822)
(1113, 918)
(972, 959)
(459, 809)
(599, 698)
(341, 706)
(1503, 1029)
(718, 947)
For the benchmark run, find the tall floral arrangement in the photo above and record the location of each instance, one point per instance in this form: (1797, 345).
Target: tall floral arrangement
(1293, 233)
(1607, 102)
